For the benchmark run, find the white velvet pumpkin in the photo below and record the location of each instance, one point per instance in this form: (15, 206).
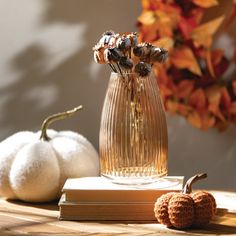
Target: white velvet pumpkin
(32, 169)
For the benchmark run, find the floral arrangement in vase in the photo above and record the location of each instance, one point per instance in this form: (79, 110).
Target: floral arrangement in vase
(124, 55)
(192, 81)
(133, 132)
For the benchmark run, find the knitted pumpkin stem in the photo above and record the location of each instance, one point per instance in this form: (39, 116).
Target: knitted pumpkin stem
(51, 119)
(188, 186)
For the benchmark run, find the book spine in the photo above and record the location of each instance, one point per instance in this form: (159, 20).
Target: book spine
(112, 212)
(114, 196)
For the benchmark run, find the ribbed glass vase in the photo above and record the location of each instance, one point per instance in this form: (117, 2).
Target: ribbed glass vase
(133, 134)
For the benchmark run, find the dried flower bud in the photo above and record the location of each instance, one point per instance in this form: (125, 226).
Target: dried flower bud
(158, 55)
(108, 39)
(99, 55)
(143, 50)
(123, 43)
(133, 38)
(109, 32)
(126, 63)
(143, 69)
(112, 55)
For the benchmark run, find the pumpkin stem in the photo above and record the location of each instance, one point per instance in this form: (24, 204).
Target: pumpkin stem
(188, 186)
(55, 117)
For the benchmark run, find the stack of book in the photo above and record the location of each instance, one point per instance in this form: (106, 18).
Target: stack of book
(97, 198)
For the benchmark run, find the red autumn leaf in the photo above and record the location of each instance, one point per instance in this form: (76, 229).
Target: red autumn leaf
(232, 15)
(225, 98)
(202, 35)
(184, 109)
(185, 87)
(162, 76)
(183, 58)
(198, 99)
(232, 108)
(233, 119)
(165, 91)
(197, 14)
(234, 56)
(173, 87)
(216, 56)
(221, 67)
(186, 26)
(194, 119)
(234, 86)
(205, 3)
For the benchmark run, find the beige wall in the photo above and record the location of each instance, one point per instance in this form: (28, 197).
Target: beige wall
(46, 66)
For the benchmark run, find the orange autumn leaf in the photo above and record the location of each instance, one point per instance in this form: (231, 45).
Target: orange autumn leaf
(208, 121)
(205, 3)
(185, 87)
(164, 42)
(209, 63)
(156, 21)
(148, 33)
(198, 99)
(172, 11)
(172, 106)
(183, 58)
(162, 17)
(214, 96)
(194, 119)
(202, 35)
(147, 18)
(165, 23)
(145, 4)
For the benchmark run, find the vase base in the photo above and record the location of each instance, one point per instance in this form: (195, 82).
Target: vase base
(160, 182)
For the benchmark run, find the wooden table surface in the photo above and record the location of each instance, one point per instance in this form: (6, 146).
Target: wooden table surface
(18, 218)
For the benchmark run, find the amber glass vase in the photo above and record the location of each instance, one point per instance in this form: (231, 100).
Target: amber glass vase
(133, 134)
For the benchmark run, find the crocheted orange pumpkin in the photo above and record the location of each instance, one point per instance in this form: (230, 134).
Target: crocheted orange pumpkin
(182, 210)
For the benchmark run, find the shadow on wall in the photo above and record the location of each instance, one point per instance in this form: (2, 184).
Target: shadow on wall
(73, 81)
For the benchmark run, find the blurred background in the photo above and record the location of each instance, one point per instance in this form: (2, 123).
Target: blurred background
(46, 66)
